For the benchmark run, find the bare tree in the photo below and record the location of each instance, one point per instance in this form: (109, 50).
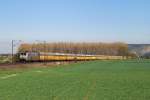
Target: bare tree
(120, 49)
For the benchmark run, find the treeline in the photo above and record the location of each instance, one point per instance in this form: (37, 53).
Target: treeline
(119, 49)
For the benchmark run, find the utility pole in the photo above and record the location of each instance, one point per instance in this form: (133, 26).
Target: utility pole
(13, 44)
(12, 52)
(44, 52)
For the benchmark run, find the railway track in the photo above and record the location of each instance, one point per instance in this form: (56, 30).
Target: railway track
(33, 64)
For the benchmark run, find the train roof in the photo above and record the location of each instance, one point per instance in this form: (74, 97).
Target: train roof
(67, 54)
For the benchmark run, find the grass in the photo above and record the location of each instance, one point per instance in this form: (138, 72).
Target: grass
(5, 59)
(96, 80)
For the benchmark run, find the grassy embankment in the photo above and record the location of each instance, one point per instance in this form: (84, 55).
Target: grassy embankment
(5, 59)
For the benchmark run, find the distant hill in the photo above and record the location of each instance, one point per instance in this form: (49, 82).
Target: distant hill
(139, 49)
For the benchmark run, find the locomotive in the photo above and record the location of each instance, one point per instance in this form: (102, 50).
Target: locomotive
(44, 56)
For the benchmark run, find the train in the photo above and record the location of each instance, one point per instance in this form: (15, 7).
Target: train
(45, 56)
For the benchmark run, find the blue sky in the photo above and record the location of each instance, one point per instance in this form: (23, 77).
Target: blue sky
(75, 20)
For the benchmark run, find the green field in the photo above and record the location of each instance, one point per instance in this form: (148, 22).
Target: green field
(97, 80)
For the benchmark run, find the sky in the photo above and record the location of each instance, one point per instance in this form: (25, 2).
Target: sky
(74, 20)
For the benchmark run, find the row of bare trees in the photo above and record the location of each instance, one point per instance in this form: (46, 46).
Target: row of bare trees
(77, 48)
